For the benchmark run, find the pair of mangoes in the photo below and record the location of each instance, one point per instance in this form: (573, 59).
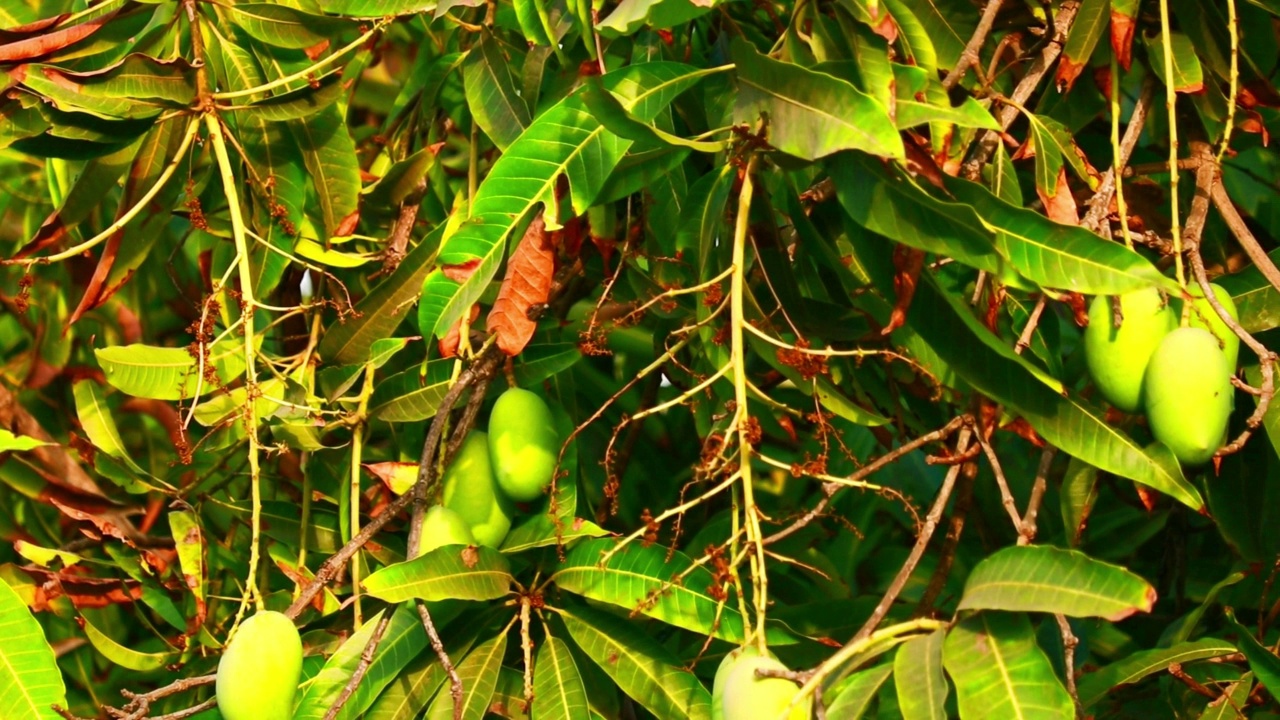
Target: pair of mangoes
(739, 694)
(512, 462)
(259, 671)
(1180, 376)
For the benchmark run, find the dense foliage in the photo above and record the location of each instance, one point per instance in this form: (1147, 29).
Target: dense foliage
(802, 285)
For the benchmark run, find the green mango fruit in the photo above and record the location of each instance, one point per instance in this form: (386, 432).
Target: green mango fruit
(737, 694)
(260, 668)
(1117, 357)
(471, 491)
(442, 526)
(1188, 394)
(523, 444)
(1202, 315)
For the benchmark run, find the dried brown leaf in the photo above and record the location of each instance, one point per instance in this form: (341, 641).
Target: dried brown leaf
(527, 284)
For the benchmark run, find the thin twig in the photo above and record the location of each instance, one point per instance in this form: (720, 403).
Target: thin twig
(366, 659)
(1244, 236)
(831, 488)
(1006, 496)
(922, 542)
(1037, 496)
(970, 54)
(988, 142)
(1100, 203)
(1069, 643)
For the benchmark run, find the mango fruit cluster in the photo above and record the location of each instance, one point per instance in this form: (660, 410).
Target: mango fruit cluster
(511, 463)
(1180, 377)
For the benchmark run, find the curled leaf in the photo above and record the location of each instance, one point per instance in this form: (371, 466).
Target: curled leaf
(527, 284)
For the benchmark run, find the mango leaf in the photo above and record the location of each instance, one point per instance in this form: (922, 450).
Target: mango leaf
(330, 156)
(1188, 75)
(917, 675)
(630, 16)
(403, 640)
(1094, 686)
(19, 443)
(558, 691)
(30, 682)
(1042, 578)
(999, 671)
(540, 531)
(948, 26)
(1090, 25)
(809, 114)
(641, 667)
(564, 141)
(376, 8)
(1261, 659)
(99, 424)
(855, 694)
(409, 396)
(639, 579)
(491, 92)
(284, 26)
(162, 373)
(1052, 144)
(296, 104)
(1230, 705)
(450, 572)
(122, 655)
(321, 691)
(136, 87)
(411, 689)
(479, 675)
(188, 541)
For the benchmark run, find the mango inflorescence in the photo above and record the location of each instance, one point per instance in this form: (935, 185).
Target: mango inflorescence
(1180, 377)
(259, 671)
(511, 463)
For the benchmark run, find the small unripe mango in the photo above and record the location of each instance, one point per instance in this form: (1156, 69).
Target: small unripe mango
(1117, 357)
(259, 671)
(737, 694)
(471, 491)
(523, 444)
(1202, 315)
(1188, 394)
(442, 526)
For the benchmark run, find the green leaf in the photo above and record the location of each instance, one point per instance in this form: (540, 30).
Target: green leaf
(641, 667)
(320, 692)
(404, 639)
(479, 675)
(411, 397)
(163, 373)
(1053, 144)
(856, 693)
(540, 531)
(188, 541)
(136, 87)
(917, 675)
(19, 443)
(1090, 25)
(809, 114)
(1042, 578)
(1188, 76)
(1001, 673)
(284, 26)
(1231, 703)
(412, 688)
(948, 26)
(1053, 255)
(1094, 686)
(98, 423)
(330, 157)
(491, 92)
(296, 104)
(1079, 493)
(30, 682)
(887, 202)
(376, 8)
(122, 655)
(451, 572)
(564, 141)
(640, 579)
(630, 16)
(1264, 663)
(558, 691)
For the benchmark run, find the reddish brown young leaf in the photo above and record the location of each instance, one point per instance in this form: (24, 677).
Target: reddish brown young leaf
(1122, 27)
(1061, 205)
(907, 262)
(34, 47)
(460, 272)
(449, 343)
(527, 283)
